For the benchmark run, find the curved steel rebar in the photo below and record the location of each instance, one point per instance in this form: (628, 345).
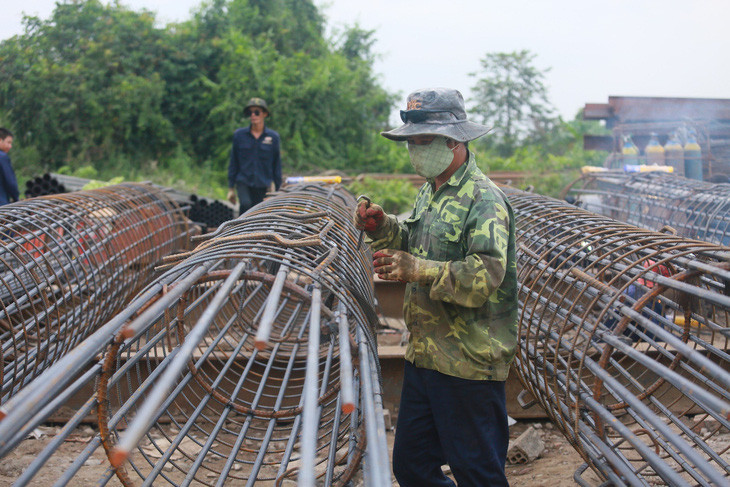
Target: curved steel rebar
(657, 201)
(190, 391)
(70, 262)
(624, 341)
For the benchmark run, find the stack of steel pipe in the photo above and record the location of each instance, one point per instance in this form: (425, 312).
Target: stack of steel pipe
(52, 183)
(43, 186)
(211, 213)
(624, 341)
(252, 360)
(657, 201)
(68, 263)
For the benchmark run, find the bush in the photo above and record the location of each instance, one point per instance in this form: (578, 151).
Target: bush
(394, 195)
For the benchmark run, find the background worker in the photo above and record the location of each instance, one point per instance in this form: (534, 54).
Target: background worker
(255, 158)
(8, 182)
(456, 252)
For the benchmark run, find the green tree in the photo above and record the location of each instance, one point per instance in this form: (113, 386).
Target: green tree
(85, 84)
(328, 107)
(106, 87)
(510, 96)
(551, 165)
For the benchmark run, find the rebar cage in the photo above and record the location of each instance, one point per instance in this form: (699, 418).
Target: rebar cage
(624, 342)
(234, 367)
(70, 262)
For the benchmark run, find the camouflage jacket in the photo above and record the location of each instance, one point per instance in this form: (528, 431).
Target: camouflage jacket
(464, 324)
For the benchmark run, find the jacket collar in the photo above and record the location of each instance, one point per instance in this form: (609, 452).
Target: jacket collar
(248, 129)
(465, 169)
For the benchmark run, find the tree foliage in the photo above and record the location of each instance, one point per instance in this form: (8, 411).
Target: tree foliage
(87, 84)
(551, 165)
(103, 85)
(510, 95)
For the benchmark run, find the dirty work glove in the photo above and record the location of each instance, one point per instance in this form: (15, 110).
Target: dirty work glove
(231, 196)
(396, 265)
(369, 217)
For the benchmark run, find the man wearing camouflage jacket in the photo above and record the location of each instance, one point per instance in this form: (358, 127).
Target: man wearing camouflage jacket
(457, 254)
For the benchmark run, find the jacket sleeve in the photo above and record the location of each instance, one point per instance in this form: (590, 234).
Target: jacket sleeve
(9, 182)
(474, 280)
(233, 165)
(277, 164)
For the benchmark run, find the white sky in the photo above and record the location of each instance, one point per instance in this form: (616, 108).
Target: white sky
(676, 48)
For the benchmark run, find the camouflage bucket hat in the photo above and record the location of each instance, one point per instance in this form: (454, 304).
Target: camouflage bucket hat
(255, 102)
(436, 111)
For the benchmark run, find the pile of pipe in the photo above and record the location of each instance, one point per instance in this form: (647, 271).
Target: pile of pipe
(251, 359)
(657, 201)
(70, 262)
(43, 186)
(624, 341)
(208, 212)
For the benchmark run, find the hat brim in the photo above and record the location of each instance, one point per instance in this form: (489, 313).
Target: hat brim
(462, 131)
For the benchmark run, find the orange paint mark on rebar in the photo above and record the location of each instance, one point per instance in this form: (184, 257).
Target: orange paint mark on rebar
(117, 457)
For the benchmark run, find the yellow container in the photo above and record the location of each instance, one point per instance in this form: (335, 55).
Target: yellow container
(654, 152)
(674, 154)
(629, 152)
(692, 158)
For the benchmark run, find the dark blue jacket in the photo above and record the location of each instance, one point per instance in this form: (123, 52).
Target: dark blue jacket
(8, 184)
(255, 162)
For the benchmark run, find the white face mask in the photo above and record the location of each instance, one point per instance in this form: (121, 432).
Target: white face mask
(431, 160)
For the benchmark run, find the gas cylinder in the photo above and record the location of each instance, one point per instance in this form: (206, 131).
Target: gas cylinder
(692, 157)
(629, 152)
(654, 151)
(674, 154)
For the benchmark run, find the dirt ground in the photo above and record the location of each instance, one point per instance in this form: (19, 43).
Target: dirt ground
(555, 467)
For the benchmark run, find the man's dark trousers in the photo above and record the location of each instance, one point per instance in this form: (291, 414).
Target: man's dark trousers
(448, 420)
(249, 196)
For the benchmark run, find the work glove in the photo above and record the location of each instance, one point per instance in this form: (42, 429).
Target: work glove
(396, 265)
(369, 217)
(231, 196)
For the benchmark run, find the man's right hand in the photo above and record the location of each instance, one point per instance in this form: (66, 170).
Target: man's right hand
(232, 196)
(369, 217)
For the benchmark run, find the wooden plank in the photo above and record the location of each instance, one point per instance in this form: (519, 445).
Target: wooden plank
(390, 352)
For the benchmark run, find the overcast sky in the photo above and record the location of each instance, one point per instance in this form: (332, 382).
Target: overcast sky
(594, 48)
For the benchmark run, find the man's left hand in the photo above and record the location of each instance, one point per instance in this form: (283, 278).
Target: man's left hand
(396, 265)
(231, 196)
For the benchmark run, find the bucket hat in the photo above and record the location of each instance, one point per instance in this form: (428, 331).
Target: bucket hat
(436, 111)
(255, 102)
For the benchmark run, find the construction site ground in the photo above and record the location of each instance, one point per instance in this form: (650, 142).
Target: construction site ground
(555, 467)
